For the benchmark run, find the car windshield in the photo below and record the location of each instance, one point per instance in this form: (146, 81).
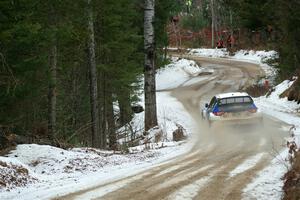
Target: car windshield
(235, 104)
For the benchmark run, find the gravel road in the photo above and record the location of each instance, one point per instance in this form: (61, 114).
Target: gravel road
(222, 162)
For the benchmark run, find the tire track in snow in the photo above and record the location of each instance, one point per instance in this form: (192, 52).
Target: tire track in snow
(101, 191)
(190, 191)
(177, 179)
(246, 165)
(176, 167)
(180, 164)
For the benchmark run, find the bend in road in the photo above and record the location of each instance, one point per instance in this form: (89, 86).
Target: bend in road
(212, 170)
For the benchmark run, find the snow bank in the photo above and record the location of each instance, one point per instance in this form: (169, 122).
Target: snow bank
(158, 145)
(215, 53)
(268, 183)
(257, 57)
(14, 174)
(278, 107)
(281, 108)
(176, 73)
(48, 160)
(170, 114)
(43, 172)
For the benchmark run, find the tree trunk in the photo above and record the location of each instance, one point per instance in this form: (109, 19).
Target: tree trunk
(123, 96)
(96, 141)
(111, 122)
(212, 24)
(176, 35)
(231, 26)
(52, 20)
(149, 69)
(52, 92)
(102, 106)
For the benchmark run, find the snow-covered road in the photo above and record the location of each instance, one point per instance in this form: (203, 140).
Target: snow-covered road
(221, 163)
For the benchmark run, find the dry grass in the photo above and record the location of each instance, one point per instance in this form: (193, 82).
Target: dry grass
(292, 181)
(257, 90)
(12, 176)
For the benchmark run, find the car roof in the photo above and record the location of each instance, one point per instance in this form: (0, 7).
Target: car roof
(232, 94)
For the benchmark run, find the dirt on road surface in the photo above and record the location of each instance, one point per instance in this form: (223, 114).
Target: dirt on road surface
(209, 171)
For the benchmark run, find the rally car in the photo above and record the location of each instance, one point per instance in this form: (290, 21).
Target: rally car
(232, 108)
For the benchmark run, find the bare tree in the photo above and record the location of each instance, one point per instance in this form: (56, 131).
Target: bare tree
(96, 141)
(149, 68)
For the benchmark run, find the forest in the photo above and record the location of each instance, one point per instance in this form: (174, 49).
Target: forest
(45, 66)
(54, 52)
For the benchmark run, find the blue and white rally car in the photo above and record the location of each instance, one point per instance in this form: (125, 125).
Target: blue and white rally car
(232, 108)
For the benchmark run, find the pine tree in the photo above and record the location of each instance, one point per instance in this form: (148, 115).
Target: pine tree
(45, 78)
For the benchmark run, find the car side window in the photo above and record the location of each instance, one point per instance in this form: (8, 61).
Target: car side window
(212, 102)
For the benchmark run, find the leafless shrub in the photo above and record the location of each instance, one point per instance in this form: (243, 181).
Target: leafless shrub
(292, 177)
(292, 145)
(179, 133)
(257, 90)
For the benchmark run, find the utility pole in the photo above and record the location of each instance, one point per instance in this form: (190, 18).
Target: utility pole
(212, 24)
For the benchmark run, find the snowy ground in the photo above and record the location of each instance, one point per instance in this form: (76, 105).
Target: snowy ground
(176, 73)
(49, 171)
(55, 171)
(268, 183)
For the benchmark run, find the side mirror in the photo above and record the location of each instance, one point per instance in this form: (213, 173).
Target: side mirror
(206, 105)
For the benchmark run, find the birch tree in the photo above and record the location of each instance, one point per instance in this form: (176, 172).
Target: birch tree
(149, 68)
